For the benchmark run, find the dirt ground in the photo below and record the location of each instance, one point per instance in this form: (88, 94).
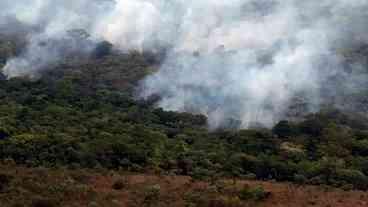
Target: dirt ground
(41, 187)
(282, 194)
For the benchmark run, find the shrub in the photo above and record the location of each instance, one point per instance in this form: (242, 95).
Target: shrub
(300, 179)
(120, 184)
(283, 129)
(347, 187)
(354, 177)
(152, 195)
(225, 202)
(192, 198)
(42, 202)
(4, 133)
(292, 151)
(257, 193)
(360, 147)
(102, 49)
(202, 174)
(317, 180)
(93, 204)
(312, 127)
(4, 181)
(249, 176)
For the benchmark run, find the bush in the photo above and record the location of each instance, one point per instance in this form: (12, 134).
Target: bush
(4, 133)
(225, 202)
(300, 179)
(317, 180)
(120, 184)
(192, 198)
(249, 176)
(257, 193)
(360, 148)
(4, 181)
(354, 177)
(347, 187)
(283, 129)
(152, 195)
(312, 127)
(202, 174)
(42, 202)
(102, 49)
(93, 204)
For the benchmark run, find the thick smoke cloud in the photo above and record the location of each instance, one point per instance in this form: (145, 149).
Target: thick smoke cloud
(237, 59)
(254, 58)
(53, 29)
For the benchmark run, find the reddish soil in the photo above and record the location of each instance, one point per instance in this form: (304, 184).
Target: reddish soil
(282, 194)
(91, 188)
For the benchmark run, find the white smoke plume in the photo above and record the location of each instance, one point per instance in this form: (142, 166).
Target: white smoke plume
(234, 59)
(254, 57)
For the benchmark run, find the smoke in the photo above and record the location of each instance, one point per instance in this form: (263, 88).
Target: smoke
(252, 59)
(52, 29)
(247, 60)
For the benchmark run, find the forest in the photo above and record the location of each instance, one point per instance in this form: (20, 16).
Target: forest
(75, 129)
(84, 114)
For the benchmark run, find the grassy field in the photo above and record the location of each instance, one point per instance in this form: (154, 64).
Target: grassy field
(41, 187)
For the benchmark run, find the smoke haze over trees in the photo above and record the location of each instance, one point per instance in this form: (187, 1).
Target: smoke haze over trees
(253, 61)
(165, 86)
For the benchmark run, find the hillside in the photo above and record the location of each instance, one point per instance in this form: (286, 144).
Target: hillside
(77, 132)
(85, 114)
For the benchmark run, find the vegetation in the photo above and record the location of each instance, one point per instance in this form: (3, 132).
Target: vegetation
(257, 193)
(59, 187)
(84, 115)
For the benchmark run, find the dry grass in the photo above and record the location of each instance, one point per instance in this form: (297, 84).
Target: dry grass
(40, 187)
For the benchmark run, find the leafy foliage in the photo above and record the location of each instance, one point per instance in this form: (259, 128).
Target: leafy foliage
(84, 115)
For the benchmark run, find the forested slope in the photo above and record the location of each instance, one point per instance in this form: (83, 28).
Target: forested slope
(84, 114)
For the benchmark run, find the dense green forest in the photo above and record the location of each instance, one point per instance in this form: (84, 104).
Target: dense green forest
(83, 114)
